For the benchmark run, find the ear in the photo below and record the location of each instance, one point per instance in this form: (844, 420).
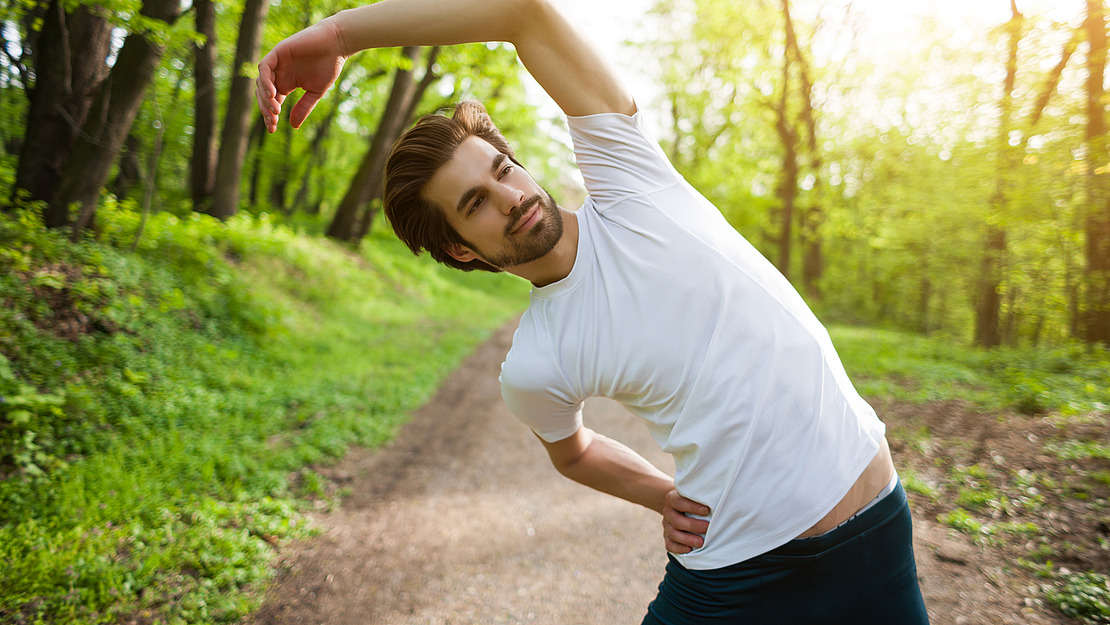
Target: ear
(461, 253)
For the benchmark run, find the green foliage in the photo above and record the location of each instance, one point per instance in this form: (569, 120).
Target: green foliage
(914, 484)
(160, 406)
(1085, 596)
(907, 177)
(975, 489)
(1079, 450)
(961, 520)
(1067, 379)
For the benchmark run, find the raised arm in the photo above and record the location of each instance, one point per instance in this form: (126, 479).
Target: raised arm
(567, 66)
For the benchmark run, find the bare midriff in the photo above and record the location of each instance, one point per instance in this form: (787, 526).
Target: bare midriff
(868, 485)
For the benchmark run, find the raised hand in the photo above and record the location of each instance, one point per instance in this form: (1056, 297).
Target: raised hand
(309, 60)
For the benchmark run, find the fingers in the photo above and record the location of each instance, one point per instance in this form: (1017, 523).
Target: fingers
(682, 543)
(686, 506)
(678, 541)
(269, 104)
(683, 533)
(303, 107)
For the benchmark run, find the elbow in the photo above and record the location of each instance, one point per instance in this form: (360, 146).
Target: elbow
(566, 465)
(568, 455)
(522, 15)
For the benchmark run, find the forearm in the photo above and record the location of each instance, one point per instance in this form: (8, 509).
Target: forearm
(612, 468)
(394, 23)
(566, 65)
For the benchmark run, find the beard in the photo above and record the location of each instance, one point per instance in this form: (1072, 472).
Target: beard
(531, 245)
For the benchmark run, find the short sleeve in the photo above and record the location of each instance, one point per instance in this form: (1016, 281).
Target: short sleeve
(535, 390)
(550, 416)
(617, 159)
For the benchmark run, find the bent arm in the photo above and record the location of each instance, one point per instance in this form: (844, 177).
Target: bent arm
(567, 66)
(612, 468)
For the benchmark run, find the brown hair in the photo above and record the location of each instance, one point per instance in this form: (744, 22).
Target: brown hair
(414, 159)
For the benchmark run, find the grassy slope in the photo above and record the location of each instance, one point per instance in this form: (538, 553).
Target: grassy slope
(159, 407)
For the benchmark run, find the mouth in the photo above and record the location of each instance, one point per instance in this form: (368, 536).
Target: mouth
(529, 219)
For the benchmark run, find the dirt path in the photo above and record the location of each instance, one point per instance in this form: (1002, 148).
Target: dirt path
(463, 521)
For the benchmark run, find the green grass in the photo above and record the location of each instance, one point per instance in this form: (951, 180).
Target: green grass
(157, 408)
(1068, 380)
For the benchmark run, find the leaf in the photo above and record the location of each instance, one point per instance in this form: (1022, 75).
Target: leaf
(6, 369)
(49, 280)
(19, 417)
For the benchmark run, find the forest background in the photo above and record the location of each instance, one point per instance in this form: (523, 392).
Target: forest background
(195, 311)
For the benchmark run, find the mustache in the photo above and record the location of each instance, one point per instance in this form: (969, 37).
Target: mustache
(519, 212)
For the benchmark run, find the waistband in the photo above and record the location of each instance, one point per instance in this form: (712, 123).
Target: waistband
(888, 489)
(875, 514)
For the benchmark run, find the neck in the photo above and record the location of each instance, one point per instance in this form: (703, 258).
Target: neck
(556, 264)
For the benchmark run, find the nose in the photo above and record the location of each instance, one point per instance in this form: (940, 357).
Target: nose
(510, 199)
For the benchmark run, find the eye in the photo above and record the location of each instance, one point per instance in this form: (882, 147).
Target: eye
(474, 205)
(505, 171)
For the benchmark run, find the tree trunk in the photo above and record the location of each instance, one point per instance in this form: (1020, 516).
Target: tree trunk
(314, 154)
(279, 182)
(69, 55)
(240, 102)
(369, 210)
(202, 164)
(320, 134)
(813, 261)
(129, 171)
(988, 330)
(787, 190)
(256, 138)
(109, 120)
(345, 225)
(1096, 299)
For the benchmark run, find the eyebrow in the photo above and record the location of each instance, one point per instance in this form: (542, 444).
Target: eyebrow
(471, 192)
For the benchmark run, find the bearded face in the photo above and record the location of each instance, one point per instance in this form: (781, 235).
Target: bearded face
(537, 237)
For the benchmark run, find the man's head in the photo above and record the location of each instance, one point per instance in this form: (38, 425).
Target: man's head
(461, 169)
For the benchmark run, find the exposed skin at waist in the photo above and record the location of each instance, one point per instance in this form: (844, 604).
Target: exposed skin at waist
(868, 486)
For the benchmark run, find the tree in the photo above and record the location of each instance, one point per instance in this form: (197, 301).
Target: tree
(813, 264)
(68, 55)
(316, 145)
(202, 164)
(732, 116)
(989, 304)
(797, 85)
(240, 104)
(1096, 282)
(110, 117)
(354, 215)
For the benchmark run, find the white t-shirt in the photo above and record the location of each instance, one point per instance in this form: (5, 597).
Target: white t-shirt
(671, 312)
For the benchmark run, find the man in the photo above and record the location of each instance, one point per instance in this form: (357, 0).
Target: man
(785, 507)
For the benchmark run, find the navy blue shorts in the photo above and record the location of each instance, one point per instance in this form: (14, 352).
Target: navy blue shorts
(861, 573)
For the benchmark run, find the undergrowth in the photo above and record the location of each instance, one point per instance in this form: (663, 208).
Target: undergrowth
(1069, 380)
(157, 404)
